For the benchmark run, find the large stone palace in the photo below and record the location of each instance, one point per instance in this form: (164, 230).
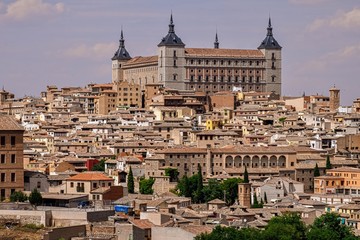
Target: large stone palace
(202, 69)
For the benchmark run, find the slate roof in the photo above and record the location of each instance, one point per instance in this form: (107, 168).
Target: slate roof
(269, 42)
(171, 39)
(121, 53)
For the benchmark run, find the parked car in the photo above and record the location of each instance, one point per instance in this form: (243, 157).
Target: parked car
(84, 204)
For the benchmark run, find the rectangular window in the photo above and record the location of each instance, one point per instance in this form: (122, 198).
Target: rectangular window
(13, 158)
(71, 184)
(13, 178)
(2, 177)
(2, 194)
(2, 160)
(12, 141)
(2, 141)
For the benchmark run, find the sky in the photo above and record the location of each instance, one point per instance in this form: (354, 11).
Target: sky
(70, 43)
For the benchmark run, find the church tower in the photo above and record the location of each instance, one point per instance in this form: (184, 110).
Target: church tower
(244, 192)
(216, 43)
(334, 99)
(121, 56)
(272, 52)
(171, 67)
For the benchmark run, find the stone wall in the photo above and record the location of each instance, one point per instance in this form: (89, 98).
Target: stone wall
(66, 233)
(27, 216)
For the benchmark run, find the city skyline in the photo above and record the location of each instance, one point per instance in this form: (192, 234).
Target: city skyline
(68, 43)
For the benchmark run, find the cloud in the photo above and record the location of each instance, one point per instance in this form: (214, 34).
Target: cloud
(348, 20)
(97, 51)
(307, 2)
(344, 55)
(24, 9)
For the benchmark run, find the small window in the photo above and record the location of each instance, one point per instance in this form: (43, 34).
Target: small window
(71, 184)
(3, 177)
(2, 141)
(2, 160)
(13, 177)
(12, 141)
(13, 158)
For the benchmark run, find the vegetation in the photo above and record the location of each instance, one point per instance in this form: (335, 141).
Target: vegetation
(173, 173)
(146, 186)
(199, 196)
(256, 203)
(35, 198)
(100, 166)
(130, 182)
(246, 176)
(287, 227)
(227, 189)
(328, 163)
(18, 196)
(316, 171)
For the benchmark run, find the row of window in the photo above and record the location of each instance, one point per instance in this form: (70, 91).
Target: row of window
(224, 62)
(3, 177)
(223, 71)
(222, 78)
(3, 141)
(3, 158)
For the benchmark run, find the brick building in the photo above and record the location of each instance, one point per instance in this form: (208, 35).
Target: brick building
(11, 157)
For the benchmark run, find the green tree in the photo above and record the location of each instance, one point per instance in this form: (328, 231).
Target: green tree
(146, 186)
(328, 163)
(329, 227)
(316, 171)
(100, 166)
(230, 186)
(265, 198)
(18, 196)
(173, 173)
(286, 227)
(187, 186)
(246, 175)
(199, 198)
(130, 182)
(229, 233)
(212, 190)
(35, 198)
(282, 120)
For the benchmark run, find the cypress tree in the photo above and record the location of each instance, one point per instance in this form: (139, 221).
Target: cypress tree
(200, 186)
(328, 163)
(246, 176)
(130, 182)
(316, 171)
(265, 198)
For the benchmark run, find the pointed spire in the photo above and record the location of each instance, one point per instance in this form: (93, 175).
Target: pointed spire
(122, 41)
(171, 25)
(269, 29)
(216, 43)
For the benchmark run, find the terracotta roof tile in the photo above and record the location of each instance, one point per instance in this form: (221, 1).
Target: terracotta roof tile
(212, 52)
(9, 123)
(90, 176)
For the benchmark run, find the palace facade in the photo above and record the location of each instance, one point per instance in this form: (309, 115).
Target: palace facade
(202, 69)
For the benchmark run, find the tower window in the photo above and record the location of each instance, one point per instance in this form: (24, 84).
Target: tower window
(273, 65)
(250, 63)
(174, 76)
(174, 63)
(273, 78)
(174, 53)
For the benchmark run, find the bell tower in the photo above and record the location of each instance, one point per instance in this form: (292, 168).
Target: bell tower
(171, 67)
(244, 191)
(121, 56)
(334, 99)
(272, 52)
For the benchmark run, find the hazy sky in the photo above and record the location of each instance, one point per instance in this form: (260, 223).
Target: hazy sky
(70, 43)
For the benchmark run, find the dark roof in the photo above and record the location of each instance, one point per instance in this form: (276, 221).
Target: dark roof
(171, 39)
(269, 42)
(121, 53)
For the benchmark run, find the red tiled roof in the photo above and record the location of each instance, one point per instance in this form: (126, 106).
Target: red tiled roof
(91, 176)
(218, 52)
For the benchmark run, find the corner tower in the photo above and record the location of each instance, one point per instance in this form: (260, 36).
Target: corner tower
(121, 56)
(334, 99)
(272, 52)
(171, 67)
